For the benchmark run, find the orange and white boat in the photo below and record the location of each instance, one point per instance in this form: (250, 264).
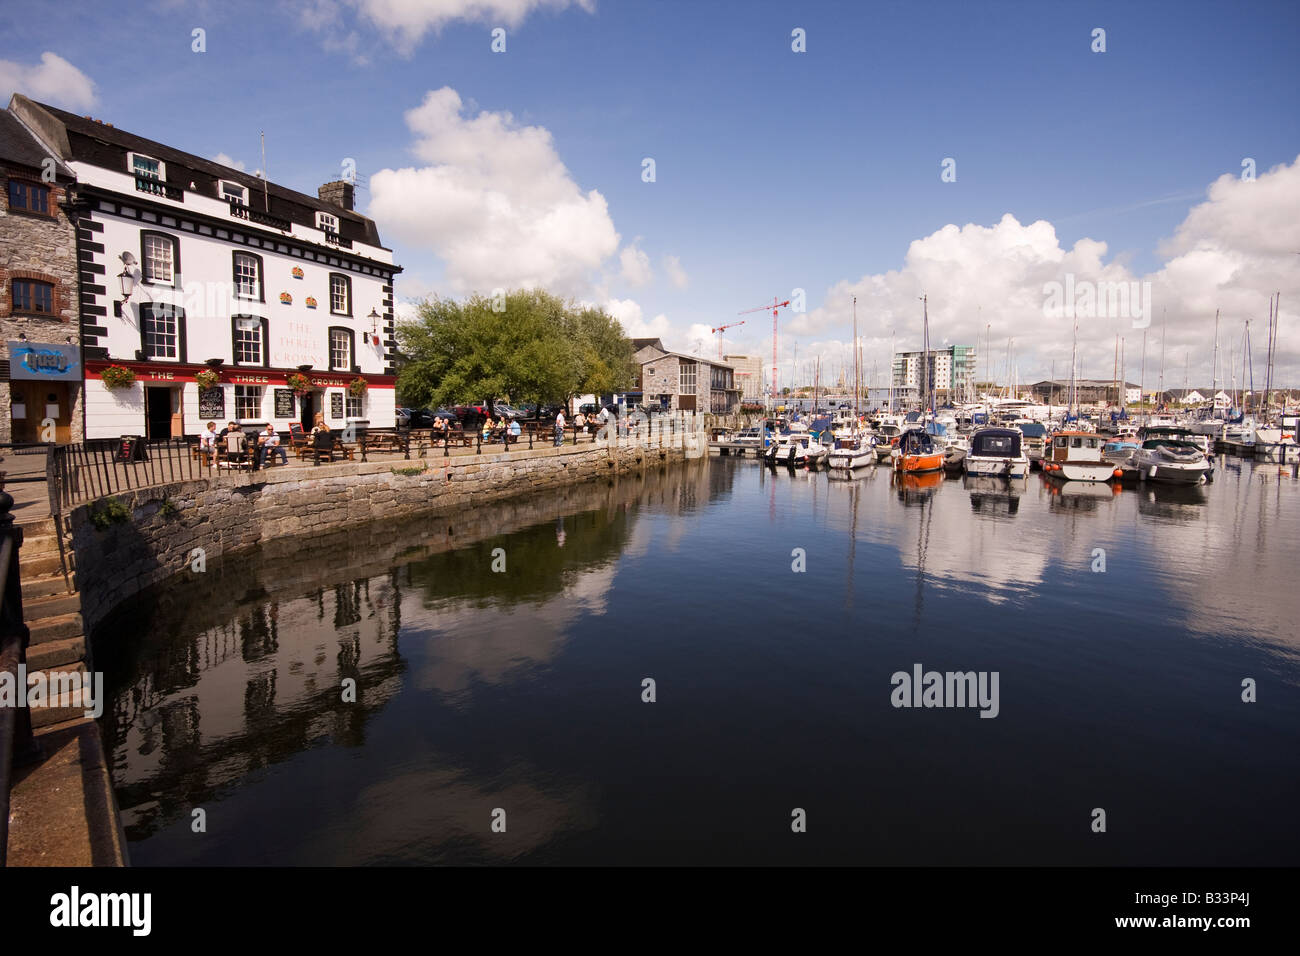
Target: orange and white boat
(916, 453)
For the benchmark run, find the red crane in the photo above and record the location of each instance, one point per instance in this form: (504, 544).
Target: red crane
(719, 329)
(763, 308)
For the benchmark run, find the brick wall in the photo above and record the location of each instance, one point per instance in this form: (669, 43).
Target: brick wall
(34, 246)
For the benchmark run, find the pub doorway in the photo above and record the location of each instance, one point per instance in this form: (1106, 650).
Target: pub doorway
(162, 413)
(309, 404)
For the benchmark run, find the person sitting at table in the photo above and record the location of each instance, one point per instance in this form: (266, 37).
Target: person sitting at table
(319, 425)
(268, 443)
(208, 443)
(236, 442)
(513, 431)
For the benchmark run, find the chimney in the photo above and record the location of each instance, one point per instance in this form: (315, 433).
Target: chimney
(338, 193)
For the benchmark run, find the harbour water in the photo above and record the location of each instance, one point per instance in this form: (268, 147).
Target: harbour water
(1121, 625)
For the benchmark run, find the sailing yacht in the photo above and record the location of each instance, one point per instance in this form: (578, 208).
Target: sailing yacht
(851, 447)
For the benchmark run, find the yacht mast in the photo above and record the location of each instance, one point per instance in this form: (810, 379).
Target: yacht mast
(1214, 385)
(857, 384)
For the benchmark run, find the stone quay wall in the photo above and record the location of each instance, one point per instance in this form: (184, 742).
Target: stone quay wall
(227, 514)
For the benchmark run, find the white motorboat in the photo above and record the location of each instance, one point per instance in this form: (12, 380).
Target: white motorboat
(795, 448)
(1277, 443)
(1079, 456)
(997, 452)
(849, 452)
(1170, 460)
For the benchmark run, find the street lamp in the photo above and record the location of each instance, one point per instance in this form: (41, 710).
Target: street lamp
(126, 278)
(374, 324)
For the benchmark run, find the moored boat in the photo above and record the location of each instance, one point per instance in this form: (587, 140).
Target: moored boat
(1078, 456)
(997, 452)
(1170, 460)
(854, 451)
(795, 448)
(916, 453)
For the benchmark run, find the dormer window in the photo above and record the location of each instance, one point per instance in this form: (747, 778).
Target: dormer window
(233, 192)
(147, 166)
(327, 222)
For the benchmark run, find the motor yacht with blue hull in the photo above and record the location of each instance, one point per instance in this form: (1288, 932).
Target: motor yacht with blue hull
(997, 452)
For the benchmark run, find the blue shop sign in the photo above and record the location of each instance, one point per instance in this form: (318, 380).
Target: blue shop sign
(44, 361)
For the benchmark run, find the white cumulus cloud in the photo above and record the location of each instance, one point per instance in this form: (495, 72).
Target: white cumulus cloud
(634, 266)
(494, 201)
(54, 80)
(1230, 253)
(676, 274)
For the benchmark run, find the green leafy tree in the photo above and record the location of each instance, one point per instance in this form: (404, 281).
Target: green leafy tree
(537, 348)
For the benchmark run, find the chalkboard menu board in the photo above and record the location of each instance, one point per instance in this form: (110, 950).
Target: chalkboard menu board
(284, 403)
(130, 448)
(212, 404)
(336, 406)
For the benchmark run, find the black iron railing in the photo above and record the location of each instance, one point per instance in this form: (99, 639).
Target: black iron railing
(17, 745)
(334, 239)
(240, 211)
(84, 471)
(156, 187)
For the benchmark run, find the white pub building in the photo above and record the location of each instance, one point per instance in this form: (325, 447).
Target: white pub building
(209, 294)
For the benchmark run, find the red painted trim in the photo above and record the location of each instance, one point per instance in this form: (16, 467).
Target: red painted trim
(170, 373)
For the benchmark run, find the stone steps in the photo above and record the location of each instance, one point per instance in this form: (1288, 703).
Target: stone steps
(61, 707)
(42, 585)
(39, 544)
(55, 627)
(57, 654)
(37, 608)
(38, 564)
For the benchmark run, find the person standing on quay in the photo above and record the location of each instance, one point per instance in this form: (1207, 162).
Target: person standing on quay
(559, 428)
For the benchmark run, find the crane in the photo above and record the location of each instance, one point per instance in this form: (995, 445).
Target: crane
(763, 308)
(719, 330)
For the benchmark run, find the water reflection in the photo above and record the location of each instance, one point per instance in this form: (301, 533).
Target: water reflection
(519, 688)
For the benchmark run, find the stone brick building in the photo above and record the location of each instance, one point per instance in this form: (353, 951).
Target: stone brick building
(687, 383)
(41, 393)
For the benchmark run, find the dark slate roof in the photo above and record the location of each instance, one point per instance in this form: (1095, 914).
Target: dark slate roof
(639, 344)
(19, 147)
(86, 137)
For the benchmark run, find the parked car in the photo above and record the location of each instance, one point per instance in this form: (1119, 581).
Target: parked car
(509, 411)
(414, 418)
(471, 416)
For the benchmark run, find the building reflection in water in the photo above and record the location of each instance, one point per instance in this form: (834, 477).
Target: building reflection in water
(214, 678)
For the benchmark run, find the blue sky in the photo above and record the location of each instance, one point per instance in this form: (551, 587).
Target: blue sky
(774, 169)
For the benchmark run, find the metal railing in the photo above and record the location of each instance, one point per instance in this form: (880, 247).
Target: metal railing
(17, 745)
(156, 187)
(240, 211)
(84, 471)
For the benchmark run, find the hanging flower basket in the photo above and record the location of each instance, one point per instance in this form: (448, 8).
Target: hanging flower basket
(207, 379)
(115, 376)
(300, 383)
(357, 387)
